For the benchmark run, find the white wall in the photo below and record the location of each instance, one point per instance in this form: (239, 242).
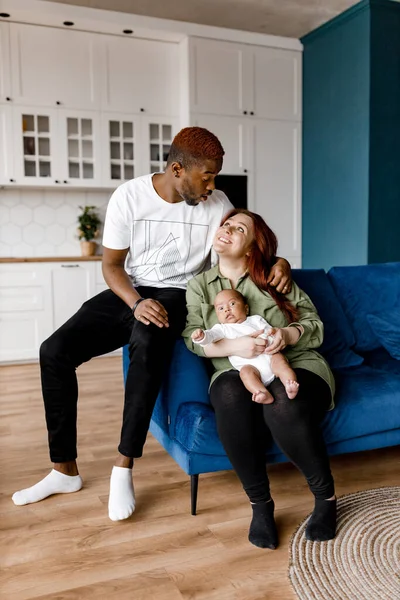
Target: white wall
(44, 222)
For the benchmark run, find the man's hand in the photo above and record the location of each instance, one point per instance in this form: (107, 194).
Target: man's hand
(280, 276)
(151, 311)
(198, 335)
(249, 346)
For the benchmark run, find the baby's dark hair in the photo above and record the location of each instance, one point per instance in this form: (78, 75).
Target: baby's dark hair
(193, 145)
(236, 292)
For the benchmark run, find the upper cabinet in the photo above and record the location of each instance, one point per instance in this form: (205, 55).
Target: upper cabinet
(238, 79)
(54, 67)
(219, 73)
(141, 76)
(5, 71)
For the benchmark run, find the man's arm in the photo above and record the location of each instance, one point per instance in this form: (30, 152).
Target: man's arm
(280, 276)
(148, 310)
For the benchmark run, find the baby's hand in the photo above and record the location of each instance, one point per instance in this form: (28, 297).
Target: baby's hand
(197, 335)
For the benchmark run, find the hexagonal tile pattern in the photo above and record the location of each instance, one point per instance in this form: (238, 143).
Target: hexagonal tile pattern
(10, 198)
(35, 198)
(44, 215)
(5, 250)
(55, 234)
(4, 215)
(69, 249)
(21, 215)
(10, 234)
(44, 249)
(22, 250)
(54, 199)
(66, 215)
(33, 234)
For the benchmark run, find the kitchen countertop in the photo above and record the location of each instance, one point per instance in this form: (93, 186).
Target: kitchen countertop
(21, 259)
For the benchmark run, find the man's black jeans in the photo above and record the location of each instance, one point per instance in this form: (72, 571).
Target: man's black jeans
(103, 324)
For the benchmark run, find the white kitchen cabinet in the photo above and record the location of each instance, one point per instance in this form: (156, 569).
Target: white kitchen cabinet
(157, 136)
(219, 77)
(56, 147)
(277, 181)
(79, 145)
(141, 76)
(234, 135)
(277, 76)
(25, 305)
(5, 69)
(7, 163)
(134, 146)
(54, 67)
(35, 146)
(72, 284)
(238, 79)
(37, 298)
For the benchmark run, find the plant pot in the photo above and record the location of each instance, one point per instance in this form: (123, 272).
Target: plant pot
(88, 248)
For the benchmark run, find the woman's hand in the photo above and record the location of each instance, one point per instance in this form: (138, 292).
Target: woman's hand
(280, 276)
(282, 337)
(249, 346)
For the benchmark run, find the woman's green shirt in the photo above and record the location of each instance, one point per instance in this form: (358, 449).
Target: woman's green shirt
(200, 296)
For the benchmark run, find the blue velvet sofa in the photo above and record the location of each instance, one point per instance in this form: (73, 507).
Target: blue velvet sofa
(360, 308)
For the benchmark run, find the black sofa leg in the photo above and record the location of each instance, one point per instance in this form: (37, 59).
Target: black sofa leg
(194, 484)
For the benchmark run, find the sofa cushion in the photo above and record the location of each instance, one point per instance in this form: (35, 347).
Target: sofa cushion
(381, 360)
(367, 402)
(362, 291)
(386, 328)
(338, 337)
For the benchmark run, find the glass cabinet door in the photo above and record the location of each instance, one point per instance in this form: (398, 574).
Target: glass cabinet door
(35, 137)
(121, 134)
(160, 138)
(80, 149)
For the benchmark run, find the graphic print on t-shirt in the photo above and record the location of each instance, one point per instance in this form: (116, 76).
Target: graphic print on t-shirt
(167, 251)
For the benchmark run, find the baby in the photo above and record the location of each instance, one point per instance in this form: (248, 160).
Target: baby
(258, 372)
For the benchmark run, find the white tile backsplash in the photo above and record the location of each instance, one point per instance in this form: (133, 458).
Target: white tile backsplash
(44, 222)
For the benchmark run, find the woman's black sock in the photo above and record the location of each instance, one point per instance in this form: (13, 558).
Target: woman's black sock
(263, 531)
(322, 523)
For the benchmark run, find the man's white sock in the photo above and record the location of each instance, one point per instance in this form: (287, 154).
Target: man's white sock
(121, 502)
(54, 483)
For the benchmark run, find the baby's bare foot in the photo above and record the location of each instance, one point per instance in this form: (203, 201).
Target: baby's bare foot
(262, 397)
(291, 387)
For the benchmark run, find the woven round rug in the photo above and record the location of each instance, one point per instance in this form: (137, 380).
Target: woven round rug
(362, 562)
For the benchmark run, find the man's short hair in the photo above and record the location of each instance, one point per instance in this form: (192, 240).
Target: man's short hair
(193, 145)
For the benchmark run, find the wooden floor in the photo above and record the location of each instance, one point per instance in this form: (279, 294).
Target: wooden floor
(66, 547)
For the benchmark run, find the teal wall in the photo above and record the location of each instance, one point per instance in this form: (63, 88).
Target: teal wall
(384, 202)
(336, 144)
(351, 138)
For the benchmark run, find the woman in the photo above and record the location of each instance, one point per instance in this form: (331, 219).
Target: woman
(246, 247)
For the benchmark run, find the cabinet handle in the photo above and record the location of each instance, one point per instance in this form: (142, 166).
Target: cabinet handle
(70, 266)
(65, 181)
(245, 112)
(58, 103)
(57, 181)
(12, 180)
(244, 170)
(251, 112)
(142, 110)
(8, 99)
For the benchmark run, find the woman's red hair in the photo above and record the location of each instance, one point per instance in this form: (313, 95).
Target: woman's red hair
(262, 258)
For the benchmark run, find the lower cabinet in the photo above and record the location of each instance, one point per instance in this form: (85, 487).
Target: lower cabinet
(37, 298)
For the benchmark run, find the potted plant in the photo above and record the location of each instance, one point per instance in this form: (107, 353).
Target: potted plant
(88, 229)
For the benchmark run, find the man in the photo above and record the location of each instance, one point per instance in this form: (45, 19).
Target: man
(158, 234)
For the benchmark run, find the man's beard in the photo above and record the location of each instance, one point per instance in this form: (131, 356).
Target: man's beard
(192, 201)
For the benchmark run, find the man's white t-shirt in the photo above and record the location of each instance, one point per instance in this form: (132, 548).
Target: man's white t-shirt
(168, 243)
